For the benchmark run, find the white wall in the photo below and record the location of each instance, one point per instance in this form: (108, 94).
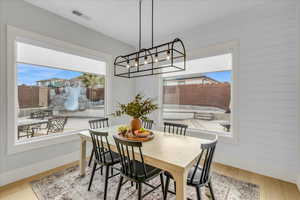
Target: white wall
(25, 16)
(267, 90)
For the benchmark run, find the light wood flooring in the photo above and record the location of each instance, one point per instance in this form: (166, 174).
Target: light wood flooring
(271, 189)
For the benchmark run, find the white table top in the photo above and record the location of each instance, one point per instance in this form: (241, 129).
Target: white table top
(180, 151)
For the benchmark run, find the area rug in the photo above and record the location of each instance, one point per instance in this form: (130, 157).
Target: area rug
(69, 185)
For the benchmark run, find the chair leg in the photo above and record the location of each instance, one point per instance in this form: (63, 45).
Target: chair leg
(211, 191)
(198, 193)
(140, 191)
(101, 170)
(106, 181)
(92, 176)
(91, 158)
(166, 188)
(119, 188)
(162, 184)
(174, 186)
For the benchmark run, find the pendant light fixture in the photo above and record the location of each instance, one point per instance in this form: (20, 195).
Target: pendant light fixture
(163, 58)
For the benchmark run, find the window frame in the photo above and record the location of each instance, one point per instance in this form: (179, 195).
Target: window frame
(15, 34)
(214, 50)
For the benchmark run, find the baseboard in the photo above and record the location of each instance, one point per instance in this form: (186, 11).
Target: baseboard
(291, 178)
(298, 182)
(36, 168)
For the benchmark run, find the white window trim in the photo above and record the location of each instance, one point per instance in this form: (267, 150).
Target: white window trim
(213, 50)
(15, 34)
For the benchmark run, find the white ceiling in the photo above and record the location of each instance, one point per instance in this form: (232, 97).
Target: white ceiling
(119, 18)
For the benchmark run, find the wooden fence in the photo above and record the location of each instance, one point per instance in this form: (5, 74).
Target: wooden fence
(95, 94)
(36, 96)
(32, 96)
(214, 95)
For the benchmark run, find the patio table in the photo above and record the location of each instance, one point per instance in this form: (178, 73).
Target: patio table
(173, 153)
(30, 122)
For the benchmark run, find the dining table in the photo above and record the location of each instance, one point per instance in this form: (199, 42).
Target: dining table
(170, 152)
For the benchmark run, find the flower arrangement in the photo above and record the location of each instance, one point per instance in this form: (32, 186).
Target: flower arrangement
(139, 108)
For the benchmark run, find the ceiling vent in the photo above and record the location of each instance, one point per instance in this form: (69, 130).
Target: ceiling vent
(80, 14)
(76, 12)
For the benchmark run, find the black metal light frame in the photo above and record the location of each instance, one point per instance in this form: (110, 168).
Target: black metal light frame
(158, 61)
(177, 53)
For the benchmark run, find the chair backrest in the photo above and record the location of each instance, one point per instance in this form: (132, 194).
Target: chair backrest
(101, 146)
(99, 123)
(37, 115)
(129, 162)
(179, 129)
(147, 124)
(56, 124)
(207, 154)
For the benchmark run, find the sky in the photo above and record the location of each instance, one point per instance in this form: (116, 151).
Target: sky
(224, 76)
(29, 74)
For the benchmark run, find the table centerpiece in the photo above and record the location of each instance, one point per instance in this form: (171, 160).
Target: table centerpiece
(138, 109)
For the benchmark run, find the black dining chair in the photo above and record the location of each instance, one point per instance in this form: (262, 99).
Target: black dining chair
(179, 129)
(134, 169)
(103, 157)
(94, 124)
(99, 123)
(198, 176)
(174, 128)
(147, 124)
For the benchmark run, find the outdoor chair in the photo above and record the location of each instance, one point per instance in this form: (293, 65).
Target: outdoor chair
(37, 115)
(27, 129)
(54, 125)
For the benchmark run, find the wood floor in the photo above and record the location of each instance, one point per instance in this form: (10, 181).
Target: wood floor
(271, 189)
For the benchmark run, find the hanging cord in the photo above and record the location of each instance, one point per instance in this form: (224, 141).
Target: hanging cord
(140, 24)
(152, 23)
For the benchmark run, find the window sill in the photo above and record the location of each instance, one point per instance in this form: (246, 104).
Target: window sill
(40, 142)
(223, 137)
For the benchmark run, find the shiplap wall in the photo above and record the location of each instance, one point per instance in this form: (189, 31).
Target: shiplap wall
(267, 90)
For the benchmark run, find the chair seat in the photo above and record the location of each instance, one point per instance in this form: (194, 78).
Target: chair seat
(196, 179)
(108, 159)
(140, 175)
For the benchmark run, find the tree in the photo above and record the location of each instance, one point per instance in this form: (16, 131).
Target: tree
(92, 80)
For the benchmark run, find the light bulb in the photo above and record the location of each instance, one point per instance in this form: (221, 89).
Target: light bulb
(156, 58)
(136, 62)
(146, 60)
(168, 55)
(127, 65)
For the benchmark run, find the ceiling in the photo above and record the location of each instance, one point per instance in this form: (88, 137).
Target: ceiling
(119, 18)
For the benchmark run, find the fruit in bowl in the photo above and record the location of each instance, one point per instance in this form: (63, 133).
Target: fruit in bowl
(123, 129)
(142, 132)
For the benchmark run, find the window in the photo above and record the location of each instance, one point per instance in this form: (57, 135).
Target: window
(57, 93)
(201, 96)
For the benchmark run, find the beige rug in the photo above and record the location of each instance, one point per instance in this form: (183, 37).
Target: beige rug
(68, 185)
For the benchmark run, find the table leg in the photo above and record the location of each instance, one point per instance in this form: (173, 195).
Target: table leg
(180, 178)
(82, 161)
